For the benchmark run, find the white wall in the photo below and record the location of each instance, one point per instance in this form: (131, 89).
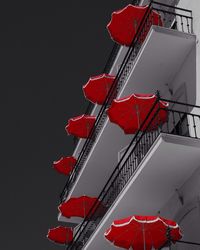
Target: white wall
(186, 77)
(187, 214)
(194, 5)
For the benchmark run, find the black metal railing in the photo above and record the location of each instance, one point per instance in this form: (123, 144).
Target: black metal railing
(124, 72)
(178, 18)
(178, 119)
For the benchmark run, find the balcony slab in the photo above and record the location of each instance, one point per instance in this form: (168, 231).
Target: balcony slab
(166, 167)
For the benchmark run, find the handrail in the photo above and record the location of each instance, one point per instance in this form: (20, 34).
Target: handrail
(170, 6)
(112, 188)
(172, 13)
(181, 103)
(121, 77)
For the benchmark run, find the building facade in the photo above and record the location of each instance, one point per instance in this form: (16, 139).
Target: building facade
(151, 172)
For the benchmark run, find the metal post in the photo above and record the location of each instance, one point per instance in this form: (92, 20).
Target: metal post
(158, 94)
(169, 237)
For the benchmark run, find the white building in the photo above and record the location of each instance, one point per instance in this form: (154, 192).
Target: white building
(150, 173)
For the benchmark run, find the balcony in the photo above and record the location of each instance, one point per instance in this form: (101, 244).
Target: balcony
(172, 48)
(154, 165)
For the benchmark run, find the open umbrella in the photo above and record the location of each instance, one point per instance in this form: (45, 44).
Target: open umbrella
(125, 22)
(65, 165)
(60, 234)
(97, 88)
(80, 126)
(78, 206)
(143, 232)
(130, 112)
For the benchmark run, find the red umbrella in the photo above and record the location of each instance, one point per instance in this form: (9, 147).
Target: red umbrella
(80, 126)
(97, 88)
(60, 234)
(130, 112)
(125, 22)
(78, 207)
(143, 232)
(65, 165)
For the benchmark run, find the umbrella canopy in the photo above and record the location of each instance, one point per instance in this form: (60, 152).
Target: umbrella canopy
(80, 126)
(65, 165)
(125, 22)
(97, 88)
(60, 234)
(79, 206)
(130, 112)
(142, 232)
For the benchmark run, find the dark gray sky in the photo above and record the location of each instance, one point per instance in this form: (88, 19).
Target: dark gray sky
(47, 52)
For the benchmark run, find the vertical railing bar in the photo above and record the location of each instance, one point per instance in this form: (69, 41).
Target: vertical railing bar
(194, 126)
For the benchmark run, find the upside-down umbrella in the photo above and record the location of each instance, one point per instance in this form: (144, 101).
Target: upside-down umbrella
(78, 206)
(60, 234)
(125, 23)
(97, 88)
(80, 126)
(130, 112)
(65, 164)
(143, 232)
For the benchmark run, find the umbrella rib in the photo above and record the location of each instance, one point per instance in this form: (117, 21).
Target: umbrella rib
(143, 233)
(137, 114)
(84, 205)
(67, 237)
(137, 232)
(150, 236)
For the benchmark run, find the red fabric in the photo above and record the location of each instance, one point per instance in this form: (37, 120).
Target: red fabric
(65, 165)
(135, 231)
(97, 88)
(78, 207)
(130, 112)
(125, 22)
(80, 126)
(61, 235)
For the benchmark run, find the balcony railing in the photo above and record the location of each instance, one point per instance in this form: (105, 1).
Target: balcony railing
(172, 17)
(182, 120)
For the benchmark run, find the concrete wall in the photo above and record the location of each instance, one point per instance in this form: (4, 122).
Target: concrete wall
(186, 78)
(194, 5)
(184, 207)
